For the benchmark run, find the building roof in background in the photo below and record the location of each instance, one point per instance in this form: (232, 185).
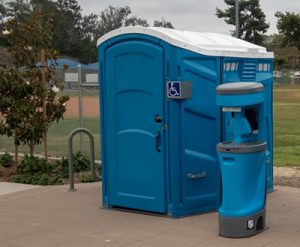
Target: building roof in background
(63, 61)
(59, 63)
(93, 66)
(72, 64)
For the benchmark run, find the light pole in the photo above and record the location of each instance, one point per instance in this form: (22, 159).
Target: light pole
(237, 18)
(80, 103)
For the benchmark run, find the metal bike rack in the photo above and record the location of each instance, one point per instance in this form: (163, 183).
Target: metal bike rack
(92, 156)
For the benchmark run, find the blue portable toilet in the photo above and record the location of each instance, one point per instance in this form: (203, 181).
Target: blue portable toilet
(159, 120)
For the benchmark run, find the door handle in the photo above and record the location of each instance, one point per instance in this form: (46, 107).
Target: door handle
(157, 141)
(196, 176)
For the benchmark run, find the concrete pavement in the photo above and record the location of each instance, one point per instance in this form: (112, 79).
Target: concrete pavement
(7, 188)
(52, 216)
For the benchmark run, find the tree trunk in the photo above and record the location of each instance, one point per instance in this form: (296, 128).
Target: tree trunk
(31, 148)
(46, 145)
(16, 155)
(43, 71)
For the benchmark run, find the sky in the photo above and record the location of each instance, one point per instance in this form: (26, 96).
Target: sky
(192, 15)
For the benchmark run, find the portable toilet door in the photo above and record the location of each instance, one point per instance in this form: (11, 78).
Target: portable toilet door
(134, 114)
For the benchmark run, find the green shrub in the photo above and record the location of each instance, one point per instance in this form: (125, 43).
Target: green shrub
(37, 171)
(99, 169)
(35, 179)
(44, 180)
(61, 167)
(23, 179)
(17, 178)
(81, 163)
(38, 179)
(6, 160)
(56, 180)
(86, 179)
(33, 165)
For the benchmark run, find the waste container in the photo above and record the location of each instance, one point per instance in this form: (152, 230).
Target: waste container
(159, 120)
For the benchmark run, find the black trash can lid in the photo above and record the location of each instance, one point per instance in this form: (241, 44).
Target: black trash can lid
(240, 88)
(241, 148)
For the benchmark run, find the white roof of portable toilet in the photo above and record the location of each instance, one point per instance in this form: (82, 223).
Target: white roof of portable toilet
(210, 44)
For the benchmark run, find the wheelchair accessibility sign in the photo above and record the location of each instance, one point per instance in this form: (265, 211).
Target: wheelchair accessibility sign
(178, 90)
(174, 89)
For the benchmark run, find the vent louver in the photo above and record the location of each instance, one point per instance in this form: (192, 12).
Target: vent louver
(249, 71)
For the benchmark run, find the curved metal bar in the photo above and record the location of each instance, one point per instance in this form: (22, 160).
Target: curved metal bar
(92, 156)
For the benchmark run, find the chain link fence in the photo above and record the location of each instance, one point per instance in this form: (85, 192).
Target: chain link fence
(286, 77)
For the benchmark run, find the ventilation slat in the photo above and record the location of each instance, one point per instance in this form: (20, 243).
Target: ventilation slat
(249, 71)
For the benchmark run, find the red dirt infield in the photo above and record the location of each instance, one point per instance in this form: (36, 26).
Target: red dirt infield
(90, 107)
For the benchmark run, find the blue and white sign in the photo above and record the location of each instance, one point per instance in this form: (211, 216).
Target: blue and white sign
(179, 90)
(174, 89)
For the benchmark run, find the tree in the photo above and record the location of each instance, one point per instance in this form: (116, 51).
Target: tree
(136, 21)
(44, 5)
(89, 37)
(67, 27)
(286, 57)
(162, 23)
(89, 27)
(74, 34)
(112, 18)
(2, 15)
(288, 24)
(115, 17)
(252, 22)
(20, 10)
(2, 11)
(28, 93)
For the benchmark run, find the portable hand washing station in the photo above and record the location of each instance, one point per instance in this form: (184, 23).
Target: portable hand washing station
(161, 120)
(243, 161)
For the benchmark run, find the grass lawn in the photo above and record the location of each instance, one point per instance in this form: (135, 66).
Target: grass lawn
(286, 130)
(58, 138)
(287, 126)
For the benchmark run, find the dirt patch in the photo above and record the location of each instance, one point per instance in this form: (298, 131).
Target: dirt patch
(90, 107)
(287, 176)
